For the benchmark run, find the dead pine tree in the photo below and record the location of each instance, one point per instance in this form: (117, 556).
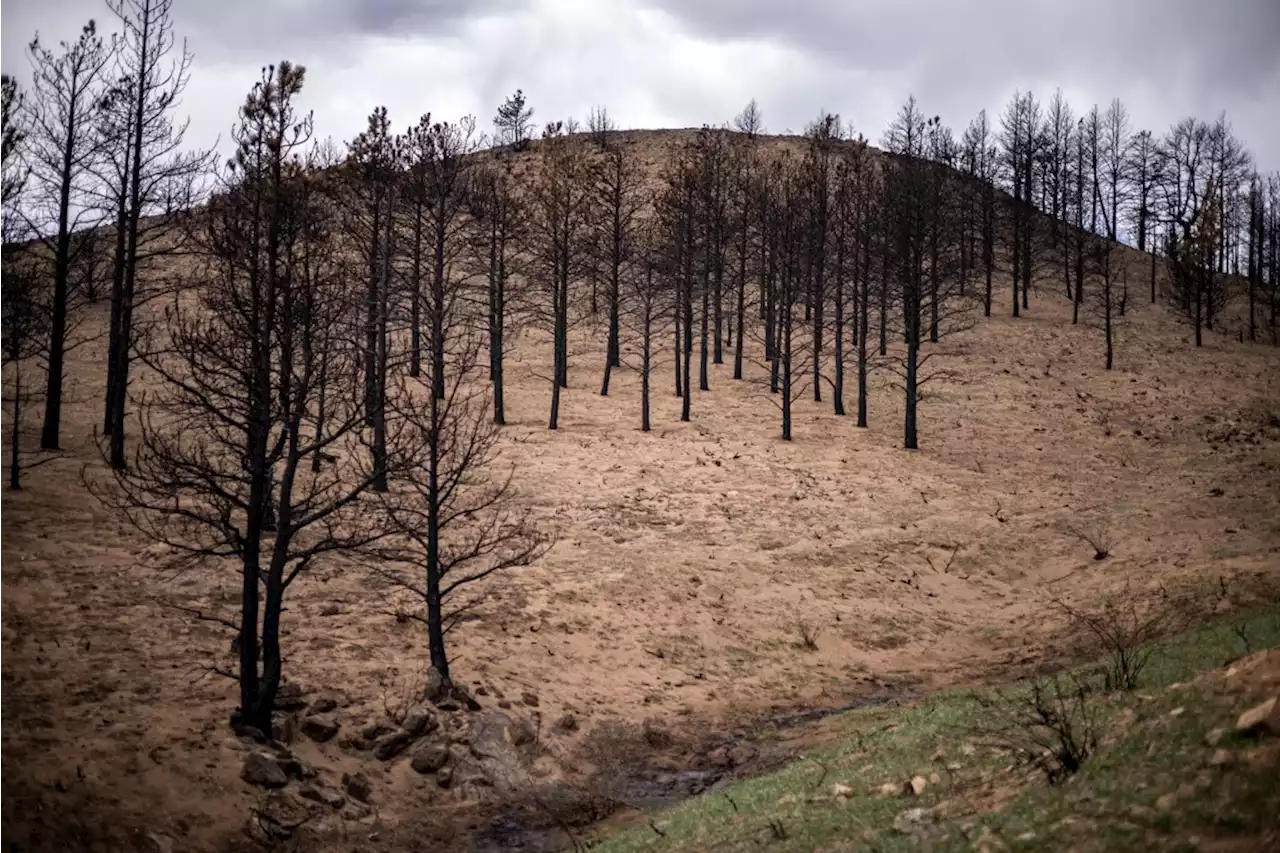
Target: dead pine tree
(60, 148)
(227, 424)
(367, 198)
(497, 209)
(620, 201)
(677, 215)
(647, 314)
(156, 178)
(26, 319)
(560, 203)
(456, 523)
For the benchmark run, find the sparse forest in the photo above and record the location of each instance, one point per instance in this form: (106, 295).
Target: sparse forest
(317, 363)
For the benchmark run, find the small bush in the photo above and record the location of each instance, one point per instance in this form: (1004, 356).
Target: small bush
(1053, 725)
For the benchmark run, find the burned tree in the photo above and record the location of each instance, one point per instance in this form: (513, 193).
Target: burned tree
(497, 209)
(648, 311)
(560, 206)
(620, 202)
(219, 470)
(61, 146)
(155, 179)
(454, 518)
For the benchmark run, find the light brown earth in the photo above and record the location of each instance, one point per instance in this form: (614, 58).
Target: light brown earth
(686, 560)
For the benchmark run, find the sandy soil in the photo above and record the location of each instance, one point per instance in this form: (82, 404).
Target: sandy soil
(687, 560)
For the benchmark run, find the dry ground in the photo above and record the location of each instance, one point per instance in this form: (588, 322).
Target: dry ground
(686, 560)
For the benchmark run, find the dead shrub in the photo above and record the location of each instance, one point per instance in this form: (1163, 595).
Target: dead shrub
(1052, 725)
(808, 635)
(1097, 534)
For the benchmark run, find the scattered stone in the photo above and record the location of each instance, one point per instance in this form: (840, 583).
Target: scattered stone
(1214, 737)
(935, 779)
(436, 686)
(719, 757)
(1027, 836)
(1167, 802)
(840, 789)
(323, 705)
(444, 777)
(529, 698)
(296, 768)
(915, 786)
(285, 729)
(250, 732)
(159, 843)
(357, 786)
(390, 745)
(888, 789)
(290, 697)
(449, 705)
(327, 796)
(1264, 718)
(354, 741)
(468, 701)
(1177, 712)
(330, 609)
(430, 758)
(320, 728)
(913, 821)
(522, 732)
(489, 736)
(420, 721)
(1222, 758)
(566, 723)
(356, 811)
(504, 704)
(263, 770)
(375, 730)
(967, 749)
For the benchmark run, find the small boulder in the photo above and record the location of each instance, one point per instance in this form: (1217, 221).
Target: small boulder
(250, 733)
(888, 789)
(284, 729)
(840, 789)
(915, 786)
(521, 732)
(912, 821)
(290, 697)
(390, 745)
(719, 757)
(1214, 737)
(1222, 758)
(444, 777)
(326, 796)
(320, 728)
(263, 770)
(566, 723)
(742, 754)
(1261, 719)
(420, 721)
(529, 698)
(430, 758)
(436, 685)
(357, 786)
(331, 609)
(449, 705)
(323, 705)
(375, 730)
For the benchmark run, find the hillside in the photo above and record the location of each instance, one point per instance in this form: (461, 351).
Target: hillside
(671, 615)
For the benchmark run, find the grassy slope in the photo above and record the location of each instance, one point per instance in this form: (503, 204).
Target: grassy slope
(1114, 803)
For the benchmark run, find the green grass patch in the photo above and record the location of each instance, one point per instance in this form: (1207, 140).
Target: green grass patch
(1150, 786)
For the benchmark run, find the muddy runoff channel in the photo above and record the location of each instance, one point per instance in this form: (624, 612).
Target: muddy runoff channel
(645, 770)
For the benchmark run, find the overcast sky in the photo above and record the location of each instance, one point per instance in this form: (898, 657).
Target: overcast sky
(682, 63)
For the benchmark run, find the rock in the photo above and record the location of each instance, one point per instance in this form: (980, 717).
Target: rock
(323, 705)
(967, 749)
(1214, 737)
(251, 733)
(330, 609)
(449, 705)
(158, 843)
(436, 686)
(505, 704)
(285, 729)
(935, 779)
(327, 796)
(357, 786)
(444, 777)
(566, 723)
(320, 728)
(888, 789)
(521, 732)
(840, 789)
(719, 757)
(462, 695)
(375, 730)
(420, 721)
(655, 734)
(1167, 802)
(390, 745)
(742, 754)
(1261, 719)
(356, 811)
(529, 698)
(260, 769)
(430, 758)
(915, 786)
(1222, 758)
(489, 736)
(1026, 836)
(290, 697)
(913, 821)
(1177, 712)
(296, 768)
(353, 741)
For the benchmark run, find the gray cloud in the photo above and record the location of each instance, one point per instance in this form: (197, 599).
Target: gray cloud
(684, 62)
